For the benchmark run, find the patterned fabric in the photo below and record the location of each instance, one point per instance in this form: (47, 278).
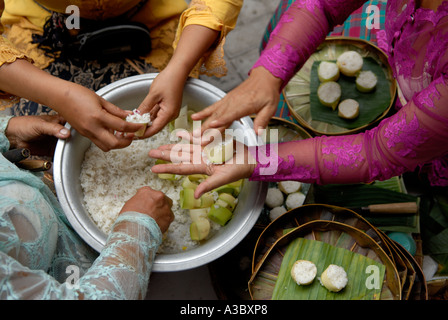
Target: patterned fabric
(355, 26)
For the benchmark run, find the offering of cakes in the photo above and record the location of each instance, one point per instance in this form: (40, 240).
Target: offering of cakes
(350, 64)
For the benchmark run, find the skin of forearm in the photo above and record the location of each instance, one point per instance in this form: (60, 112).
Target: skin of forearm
(193, 44)
(23, 79)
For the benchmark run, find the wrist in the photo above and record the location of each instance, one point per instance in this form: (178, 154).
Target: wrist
(177, 70)
(58, 99)
(266, 78)
(251, 161)
(8, 131)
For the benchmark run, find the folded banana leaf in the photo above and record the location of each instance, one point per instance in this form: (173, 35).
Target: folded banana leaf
(371, 105)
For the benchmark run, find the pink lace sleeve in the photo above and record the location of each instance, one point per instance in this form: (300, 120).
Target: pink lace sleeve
(414, 136)
(300, 31)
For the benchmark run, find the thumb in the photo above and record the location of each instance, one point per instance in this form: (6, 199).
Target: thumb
(55, 129)
(148, 103)
(63, 133)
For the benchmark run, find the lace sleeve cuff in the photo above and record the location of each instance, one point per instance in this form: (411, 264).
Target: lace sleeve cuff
(273, 167)
(142, 220)
(4, 142)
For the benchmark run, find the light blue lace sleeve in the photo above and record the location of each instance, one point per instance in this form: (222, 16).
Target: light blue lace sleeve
(4, 143)
(42, 258)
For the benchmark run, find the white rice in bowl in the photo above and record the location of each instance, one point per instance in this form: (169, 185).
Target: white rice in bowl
(109, 179)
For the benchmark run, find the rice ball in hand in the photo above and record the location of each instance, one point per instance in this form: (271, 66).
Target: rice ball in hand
(137, 117)
(303, 272)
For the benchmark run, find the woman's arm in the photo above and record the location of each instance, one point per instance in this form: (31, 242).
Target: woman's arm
(412, 137)
(120, 272)
(32, 235)
(88, 113)
(199, 45)
(165, 94)
(299, 32)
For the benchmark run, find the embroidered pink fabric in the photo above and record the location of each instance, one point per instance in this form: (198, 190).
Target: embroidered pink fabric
(416, 41)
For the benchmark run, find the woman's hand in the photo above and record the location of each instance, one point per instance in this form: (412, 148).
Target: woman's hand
(163, 100)
(95, 118)
(91, 115)
(259, 94)
(39, 134)
(165, 94)
(187, 159)
(152, 203)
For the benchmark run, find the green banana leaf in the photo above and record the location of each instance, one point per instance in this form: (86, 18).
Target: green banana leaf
(325, 242)
(435, 231)
(323, 254)
(297, 91)
(410, 275)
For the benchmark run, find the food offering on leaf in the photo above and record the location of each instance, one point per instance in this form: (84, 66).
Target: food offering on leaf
(303, 272)
(366, 81)
(348, 109)
(334, 278)
(350, 63)
(329, 94)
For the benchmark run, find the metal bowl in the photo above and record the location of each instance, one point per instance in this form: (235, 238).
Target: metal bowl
(128, 94)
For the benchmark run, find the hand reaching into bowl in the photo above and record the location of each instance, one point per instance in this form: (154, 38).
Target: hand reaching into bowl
(165, 94)
(152, 203)
(258, 94)
(188, 159)
(163, 101)
(91, 115)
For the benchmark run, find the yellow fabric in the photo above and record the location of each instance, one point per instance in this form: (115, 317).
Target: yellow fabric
(219, 15)
(22, 18)
(8, 54)
(96, 10)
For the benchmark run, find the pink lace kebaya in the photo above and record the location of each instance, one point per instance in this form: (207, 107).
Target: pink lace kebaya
(416, 41)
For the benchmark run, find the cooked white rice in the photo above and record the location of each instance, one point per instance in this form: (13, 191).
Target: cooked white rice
(109, 179)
